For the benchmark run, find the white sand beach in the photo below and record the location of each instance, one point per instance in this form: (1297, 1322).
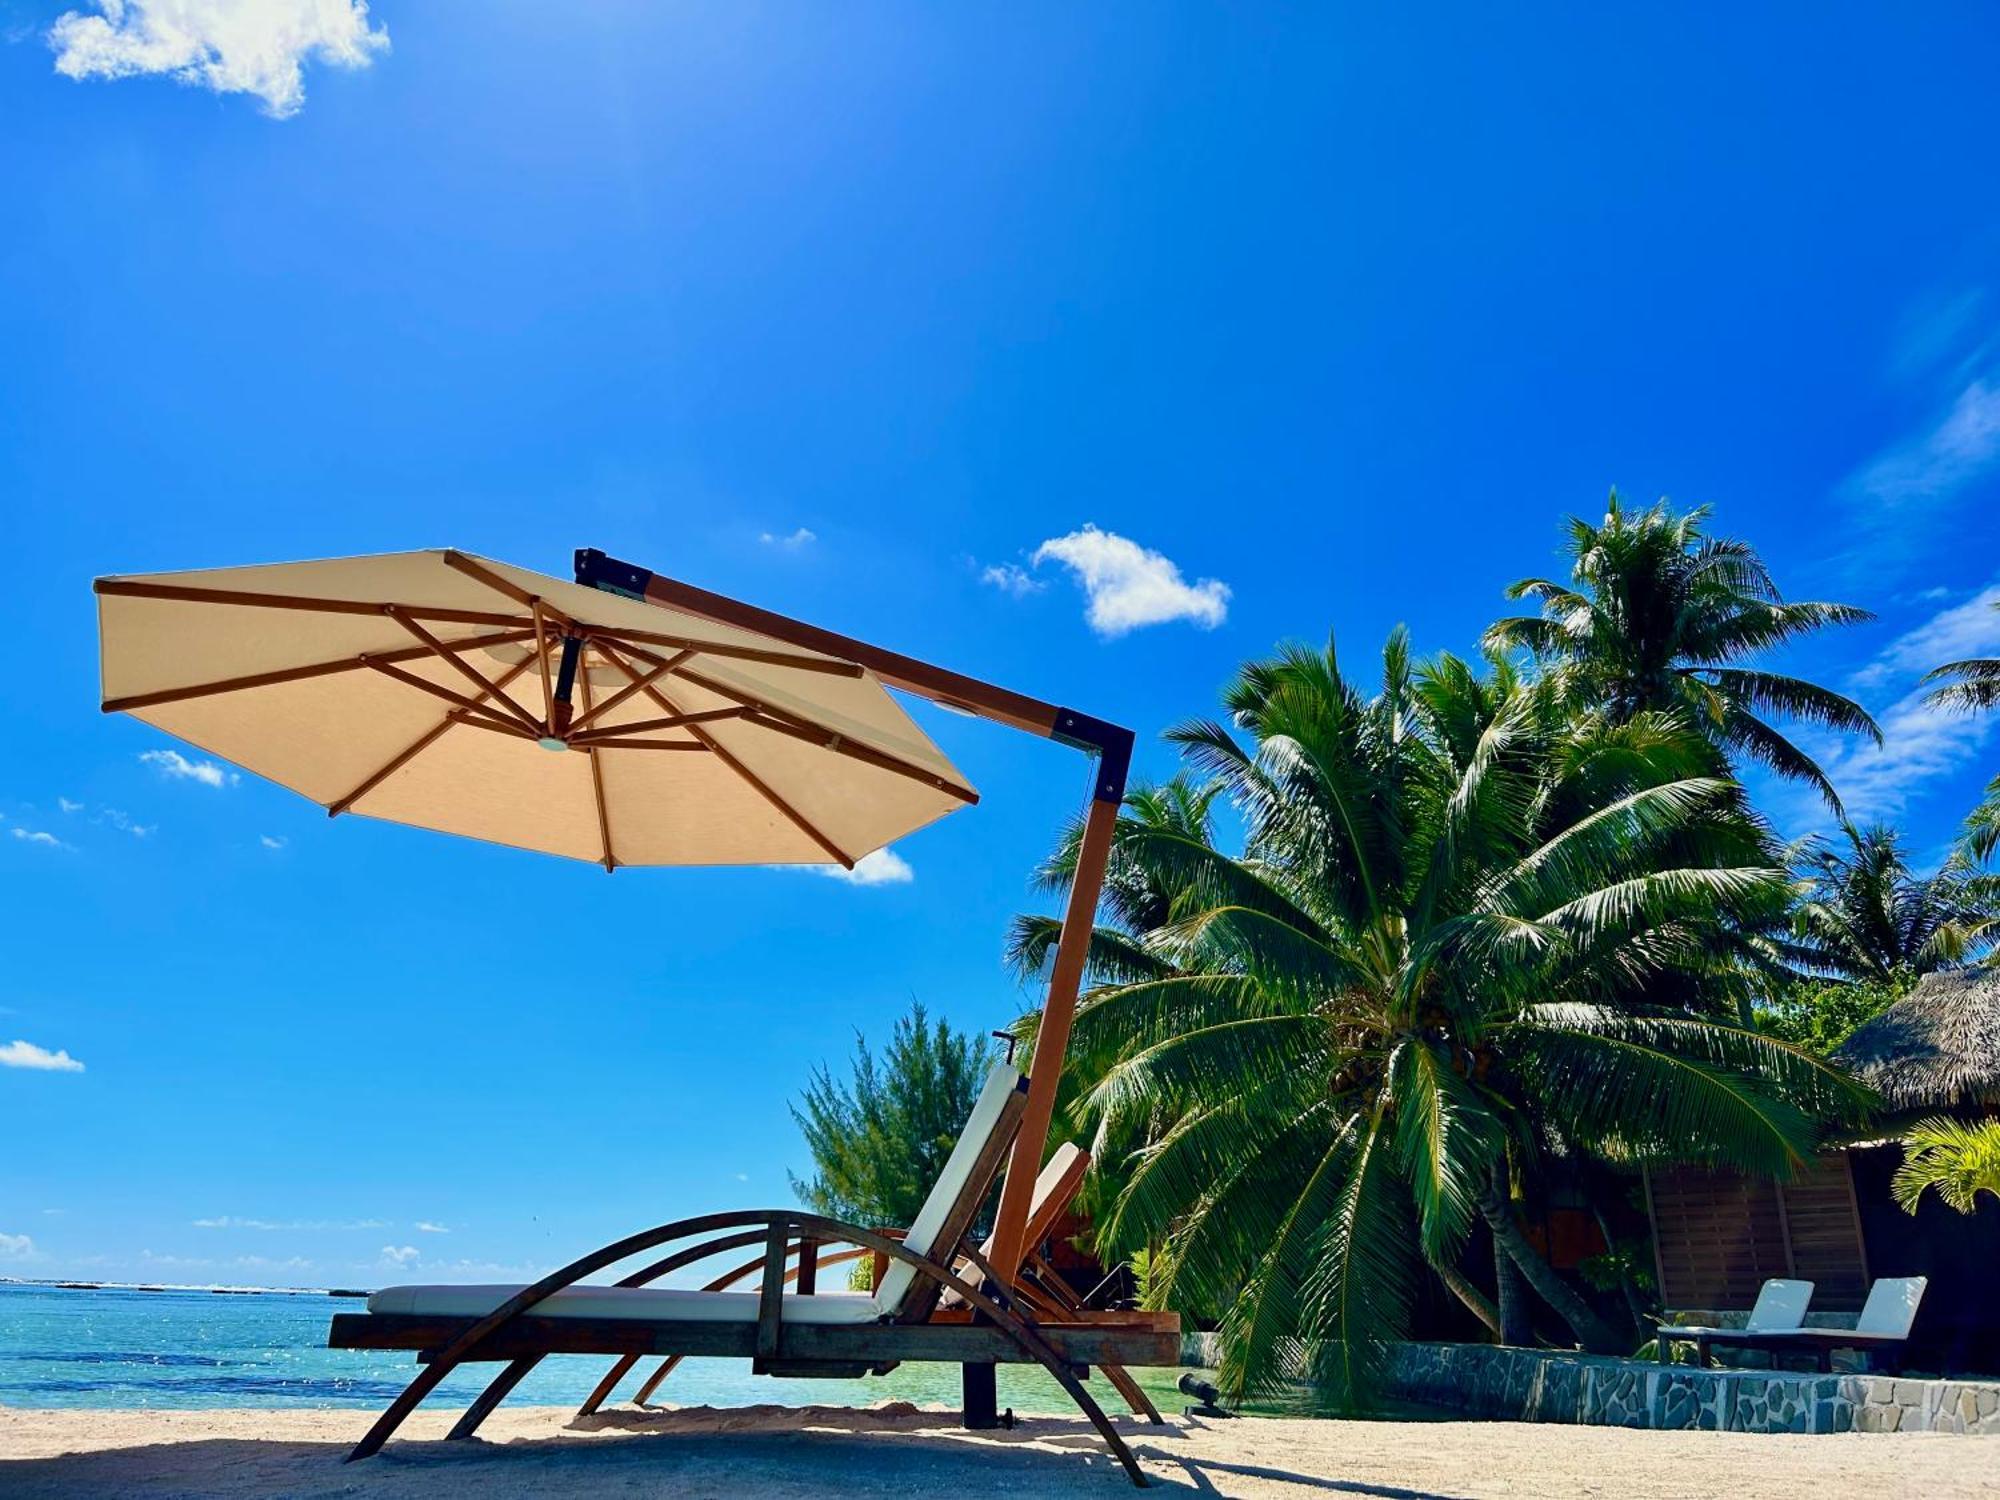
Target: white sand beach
(898, 1449)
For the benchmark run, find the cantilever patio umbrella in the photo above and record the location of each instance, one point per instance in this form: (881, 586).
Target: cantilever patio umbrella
(622, 718)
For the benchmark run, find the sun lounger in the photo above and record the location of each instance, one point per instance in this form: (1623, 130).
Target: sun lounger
(1043, 1290)
(1780, 1307)
(803, 1332)
(1882, 1329)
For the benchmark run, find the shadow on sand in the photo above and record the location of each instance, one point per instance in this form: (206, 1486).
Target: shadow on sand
(762, 1451)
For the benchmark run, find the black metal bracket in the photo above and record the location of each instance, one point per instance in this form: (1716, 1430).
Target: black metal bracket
(1112, 744)
(596, 571)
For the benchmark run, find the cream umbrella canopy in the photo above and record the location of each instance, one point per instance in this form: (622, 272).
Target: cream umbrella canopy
(456, 693)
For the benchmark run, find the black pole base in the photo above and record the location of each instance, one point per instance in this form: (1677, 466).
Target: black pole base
(982, 1397)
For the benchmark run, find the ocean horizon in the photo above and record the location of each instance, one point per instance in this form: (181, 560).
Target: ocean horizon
(114, 1347)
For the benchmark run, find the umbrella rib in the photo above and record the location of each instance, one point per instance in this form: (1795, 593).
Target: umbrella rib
(669, 665)
(297, 674)
(133, 589)
(411, 751)
(769, 716)
(756, 784)
(464, 667)
(479, 573)
(609, 743)
(672, 721)
(597, 783)
(623, 637)
(456, 700)
(542, 659)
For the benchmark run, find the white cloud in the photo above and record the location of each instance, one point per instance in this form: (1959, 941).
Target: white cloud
(1130, 586)
(1920, 743)
(1968, 629)
(1908, 501)
(400, 1256)
(176, 1262)
(1011, 578)
(16, 1247)
(18, 1054)
(123, 822)
(68, 806)
(425, 1226)
(1959, 448)
(255, 47)
(177, 767)
(234, 1221)
(883, 867)
(37, 837)
(270, 841)
(791, 541)
(742, 1176)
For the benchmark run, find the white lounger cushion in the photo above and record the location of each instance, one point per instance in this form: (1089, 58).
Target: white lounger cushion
(661, 1304)
(1891, 1306)
(1889, 1312)
(1781, 1308)
(972, 1142)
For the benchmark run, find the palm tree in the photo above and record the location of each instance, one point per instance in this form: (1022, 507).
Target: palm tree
(1866, 915)
(1424, 974)
(1970, 685)
(1658, 616)
(1960, 1160)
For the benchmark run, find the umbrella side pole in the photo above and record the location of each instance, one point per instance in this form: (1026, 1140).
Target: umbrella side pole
(1052, 1040)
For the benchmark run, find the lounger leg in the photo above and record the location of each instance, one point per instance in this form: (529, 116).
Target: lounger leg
(982, 1396)
(1135, 1396)
(605, 1386)
(646, 1391)
(496, 1391)
(399, 1409)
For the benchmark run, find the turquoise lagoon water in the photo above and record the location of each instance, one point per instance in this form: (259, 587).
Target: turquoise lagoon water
(119, 1347)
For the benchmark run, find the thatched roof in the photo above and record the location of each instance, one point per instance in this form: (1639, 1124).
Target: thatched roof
(1936, 1048)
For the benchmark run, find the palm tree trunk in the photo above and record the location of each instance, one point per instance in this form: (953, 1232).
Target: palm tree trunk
(1460, 1285)
(1517, 1323)
(1625, 1286)
(1510, 1244)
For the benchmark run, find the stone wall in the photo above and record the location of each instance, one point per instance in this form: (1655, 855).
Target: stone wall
(1531, 1385)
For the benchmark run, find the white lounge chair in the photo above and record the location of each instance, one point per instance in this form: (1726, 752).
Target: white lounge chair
(1780, 1308)
(1882, 1329)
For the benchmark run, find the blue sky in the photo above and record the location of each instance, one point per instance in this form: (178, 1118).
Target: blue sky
(1321, 319)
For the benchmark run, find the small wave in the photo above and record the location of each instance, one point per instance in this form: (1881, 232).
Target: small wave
(114, 1357)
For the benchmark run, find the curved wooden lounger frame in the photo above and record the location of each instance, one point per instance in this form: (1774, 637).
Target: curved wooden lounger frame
(779, 1227)
(1028, 1293)
(722, 1283)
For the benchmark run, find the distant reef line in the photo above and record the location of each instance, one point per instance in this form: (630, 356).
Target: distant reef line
(167, 1286)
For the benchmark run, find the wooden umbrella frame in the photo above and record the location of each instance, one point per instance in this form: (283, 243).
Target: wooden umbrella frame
(1109, 745)
(558, 642)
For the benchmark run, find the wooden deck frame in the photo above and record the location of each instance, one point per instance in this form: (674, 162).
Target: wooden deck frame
(1819, 1343)
(1109, 744)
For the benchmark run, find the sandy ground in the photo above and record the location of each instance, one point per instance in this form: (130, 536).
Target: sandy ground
(897, 1449)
